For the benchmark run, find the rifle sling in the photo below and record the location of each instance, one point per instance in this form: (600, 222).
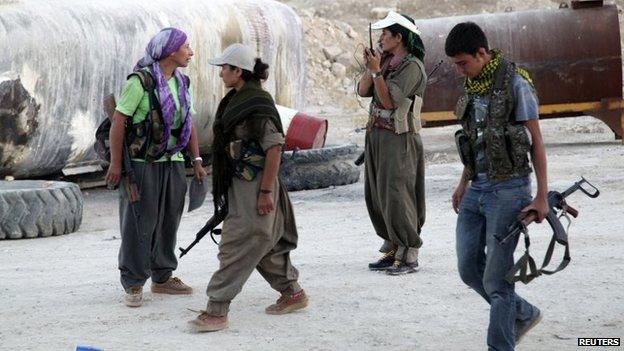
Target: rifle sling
(526, 267)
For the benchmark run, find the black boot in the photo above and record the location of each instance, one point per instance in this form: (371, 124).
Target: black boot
(383, 263)
(400, 268)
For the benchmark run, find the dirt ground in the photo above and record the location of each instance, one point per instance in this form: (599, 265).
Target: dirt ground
(64, 291)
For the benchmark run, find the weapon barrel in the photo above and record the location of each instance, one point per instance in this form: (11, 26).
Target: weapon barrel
(360, 160)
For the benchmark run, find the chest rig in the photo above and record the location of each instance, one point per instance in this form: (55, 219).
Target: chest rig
(505, 142)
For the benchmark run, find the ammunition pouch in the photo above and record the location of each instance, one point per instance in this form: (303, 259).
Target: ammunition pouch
(462, 141)
(246, 158)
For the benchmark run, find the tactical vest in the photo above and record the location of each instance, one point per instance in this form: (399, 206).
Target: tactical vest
(145, 139)
(505, 142)
(406, 115)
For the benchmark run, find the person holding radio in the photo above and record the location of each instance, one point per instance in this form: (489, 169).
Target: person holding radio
(394, 172)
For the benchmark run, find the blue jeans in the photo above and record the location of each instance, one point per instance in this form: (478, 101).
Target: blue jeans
(484, 215)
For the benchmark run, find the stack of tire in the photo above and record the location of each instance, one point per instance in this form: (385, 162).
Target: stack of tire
(36, 208)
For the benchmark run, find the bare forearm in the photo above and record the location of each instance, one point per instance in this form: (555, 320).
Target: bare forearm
(271, 167)
(383, 93)
(116, 137)
(463, 181)
(538, 157)
(193, 145)
(365, 84)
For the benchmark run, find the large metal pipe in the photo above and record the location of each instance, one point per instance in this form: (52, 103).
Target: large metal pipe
(61, 57)
(573, 55)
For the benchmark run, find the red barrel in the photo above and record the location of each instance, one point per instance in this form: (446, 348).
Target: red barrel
(306, 132)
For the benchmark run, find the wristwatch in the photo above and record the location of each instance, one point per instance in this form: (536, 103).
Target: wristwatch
(375, 74)
(198, 158)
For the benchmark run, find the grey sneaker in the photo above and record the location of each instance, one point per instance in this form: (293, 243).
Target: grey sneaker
(522, 328)
(134, 296)
(401, 268)
(383, 263)
(173, 286)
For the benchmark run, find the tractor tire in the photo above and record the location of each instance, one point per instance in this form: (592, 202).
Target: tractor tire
(34, 208)
(319, 168)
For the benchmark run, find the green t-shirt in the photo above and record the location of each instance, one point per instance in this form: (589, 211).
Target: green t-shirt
(134, 101)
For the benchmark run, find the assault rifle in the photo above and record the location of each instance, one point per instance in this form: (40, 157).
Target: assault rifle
(128, 178)
(557, 204)
(209, 227)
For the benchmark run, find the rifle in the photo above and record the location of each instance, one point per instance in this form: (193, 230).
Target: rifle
(360, 159)
(209, 227)
(556, 203)
(128, 177)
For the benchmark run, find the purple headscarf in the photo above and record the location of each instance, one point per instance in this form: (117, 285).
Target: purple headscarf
(163, 44)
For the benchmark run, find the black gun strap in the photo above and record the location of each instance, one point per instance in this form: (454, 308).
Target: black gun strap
(564, 262)
(501, 72)
(213, 233)
(526, 263)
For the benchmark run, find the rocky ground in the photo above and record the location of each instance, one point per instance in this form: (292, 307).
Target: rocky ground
(336, 32)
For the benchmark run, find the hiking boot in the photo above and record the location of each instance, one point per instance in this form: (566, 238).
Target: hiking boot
(288, 303)
(383, 263)
(208, 323)
(173, 286)
(522, 328)
(134, 296)
(400, 268)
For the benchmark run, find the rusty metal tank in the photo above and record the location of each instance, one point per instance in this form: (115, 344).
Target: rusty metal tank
(573, 55)
(61, 57)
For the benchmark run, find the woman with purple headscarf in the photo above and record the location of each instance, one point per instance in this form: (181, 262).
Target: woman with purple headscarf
(157, 127)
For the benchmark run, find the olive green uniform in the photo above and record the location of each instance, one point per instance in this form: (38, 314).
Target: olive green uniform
(250, 241)
(395, 167)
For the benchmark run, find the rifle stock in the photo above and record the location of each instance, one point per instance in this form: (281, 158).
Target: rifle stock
(109, 106)
(129, 181)
(360, 160)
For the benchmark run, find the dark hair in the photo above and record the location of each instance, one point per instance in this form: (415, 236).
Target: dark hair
(465, 38)
(260, 72)
(416, 46)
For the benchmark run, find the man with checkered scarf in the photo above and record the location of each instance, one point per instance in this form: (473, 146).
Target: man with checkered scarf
(500, 128)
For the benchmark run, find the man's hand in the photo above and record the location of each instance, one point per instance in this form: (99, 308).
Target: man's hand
(265, 204)
(540, 206)
(114, 173)
(457, 196)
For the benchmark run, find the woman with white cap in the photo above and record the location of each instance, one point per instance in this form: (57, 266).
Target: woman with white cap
(394, 175)
(259, 230)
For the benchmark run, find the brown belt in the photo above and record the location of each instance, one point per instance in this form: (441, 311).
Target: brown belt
(383, 123)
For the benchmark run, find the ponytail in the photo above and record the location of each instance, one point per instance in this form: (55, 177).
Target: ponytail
(260, 72)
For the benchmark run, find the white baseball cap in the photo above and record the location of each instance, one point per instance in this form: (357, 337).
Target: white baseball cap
(395, 18)
(237, 55)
